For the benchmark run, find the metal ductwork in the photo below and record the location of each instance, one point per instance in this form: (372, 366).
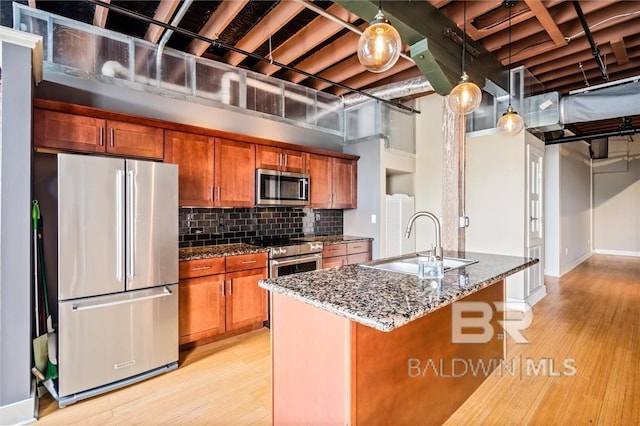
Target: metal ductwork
(609, 102)
(397, 90)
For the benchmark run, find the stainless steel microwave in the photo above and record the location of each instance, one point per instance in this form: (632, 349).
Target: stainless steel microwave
(278, 188)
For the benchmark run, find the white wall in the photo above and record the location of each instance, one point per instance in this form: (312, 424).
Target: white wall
(428, 175)
(16, 404)
(616, 203)
(567, 207)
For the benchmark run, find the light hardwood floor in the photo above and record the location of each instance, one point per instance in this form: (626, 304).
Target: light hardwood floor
(589, 320)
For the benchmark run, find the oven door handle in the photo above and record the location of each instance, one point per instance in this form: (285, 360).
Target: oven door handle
(276, 262)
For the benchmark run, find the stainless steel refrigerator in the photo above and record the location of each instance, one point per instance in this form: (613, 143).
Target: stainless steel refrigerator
(117, 268)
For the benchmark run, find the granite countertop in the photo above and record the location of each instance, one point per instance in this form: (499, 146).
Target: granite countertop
(206, 252)
(387, 300)
(337, 239)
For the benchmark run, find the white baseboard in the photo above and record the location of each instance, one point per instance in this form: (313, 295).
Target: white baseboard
(537, 295)
(566, 268)
(618, 252)
(525, 305)
(19, 413)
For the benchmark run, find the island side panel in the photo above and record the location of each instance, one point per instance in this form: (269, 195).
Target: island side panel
(406, 376)
(311, 364)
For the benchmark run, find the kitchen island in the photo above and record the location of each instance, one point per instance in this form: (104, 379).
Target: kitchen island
(358, 345)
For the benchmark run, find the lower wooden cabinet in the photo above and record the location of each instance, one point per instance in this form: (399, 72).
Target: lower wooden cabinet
(346, 254)
(214, 302)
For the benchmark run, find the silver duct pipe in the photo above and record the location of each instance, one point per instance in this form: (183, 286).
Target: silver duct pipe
(397, 90)
(165, 38)
(609, 102)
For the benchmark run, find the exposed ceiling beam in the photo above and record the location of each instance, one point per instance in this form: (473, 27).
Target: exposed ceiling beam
(341, 72)
(272, 22)
(365, 78)
(100, 15)
(421, 26)
(317, 31)
(333, 53)
(620, 51)
(218, 21)
(547, 22)
(164, 12)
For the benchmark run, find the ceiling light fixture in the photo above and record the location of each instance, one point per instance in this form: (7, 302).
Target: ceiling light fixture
(380, 44)
(466, 96)
(510, 123)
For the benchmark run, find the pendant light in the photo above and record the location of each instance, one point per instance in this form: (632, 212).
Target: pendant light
(510, 123)
(380, 44)
(466, 96)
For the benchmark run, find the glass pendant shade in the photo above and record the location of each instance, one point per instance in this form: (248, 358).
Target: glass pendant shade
(379, 45)
(465, 97)
(511, 123)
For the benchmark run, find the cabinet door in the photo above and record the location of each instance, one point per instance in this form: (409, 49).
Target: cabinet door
(135, 140)
(246, 302)
(60, 130)
(194, 156)
(268, 157)
(293, 161)
(201, 309)
(235, 180)
(319, 169)
(344, 183)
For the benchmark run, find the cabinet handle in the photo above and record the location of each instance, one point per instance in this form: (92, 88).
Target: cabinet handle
(279, 159)
(219, 199)
(244, 262)
(222, 283)
(211, 193)
(101, 136)
(534, 218)
(285, 159)
(200, 268)
(230, 287)
(112, 134)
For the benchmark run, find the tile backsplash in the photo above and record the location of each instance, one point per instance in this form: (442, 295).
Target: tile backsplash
(211, 226)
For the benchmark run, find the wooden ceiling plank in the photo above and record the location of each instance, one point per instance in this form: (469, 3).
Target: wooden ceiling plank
(366, 78)
(620, 51)
(164, 12)
(342, 71)
(542, 14)
(32, 3)
(331, 54)
(316, 32)
(272, 22)
(218, 21)
(100, 15)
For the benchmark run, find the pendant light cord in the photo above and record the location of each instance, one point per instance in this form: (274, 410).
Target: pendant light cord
(510, 55)
(464, 32)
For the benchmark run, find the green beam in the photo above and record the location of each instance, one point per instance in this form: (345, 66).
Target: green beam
(421, 26)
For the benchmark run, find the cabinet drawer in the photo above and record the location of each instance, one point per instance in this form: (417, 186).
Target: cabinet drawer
(352, 259)
(334, 250)
(246, 261)
(358, 247)
(332, 262)
(201, 267)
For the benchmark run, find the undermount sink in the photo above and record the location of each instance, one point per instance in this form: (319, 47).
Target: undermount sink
(409, 264)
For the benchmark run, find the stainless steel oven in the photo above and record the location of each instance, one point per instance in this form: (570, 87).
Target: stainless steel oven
(295, 264)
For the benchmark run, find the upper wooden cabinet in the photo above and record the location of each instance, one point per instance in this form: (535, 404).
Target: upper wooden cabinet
(212, 172)
(60, 130)
(235, 181)
(332, 181)
(194, 156)
(273, 158)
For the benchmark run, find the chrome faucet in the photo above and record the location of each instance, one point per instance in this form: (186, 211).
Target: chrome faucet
(438, 248)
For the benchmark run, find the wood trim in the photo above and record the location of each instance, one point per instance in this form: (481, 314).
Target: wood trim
(167, 125)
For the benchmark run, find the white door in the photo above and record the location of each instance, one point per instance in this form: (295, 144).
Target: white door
(535, 236)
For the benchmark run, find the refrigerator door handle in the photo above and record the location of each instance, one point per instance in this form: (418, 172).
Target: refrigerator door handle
(119, 227)
(80, 306)
(131, 234)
